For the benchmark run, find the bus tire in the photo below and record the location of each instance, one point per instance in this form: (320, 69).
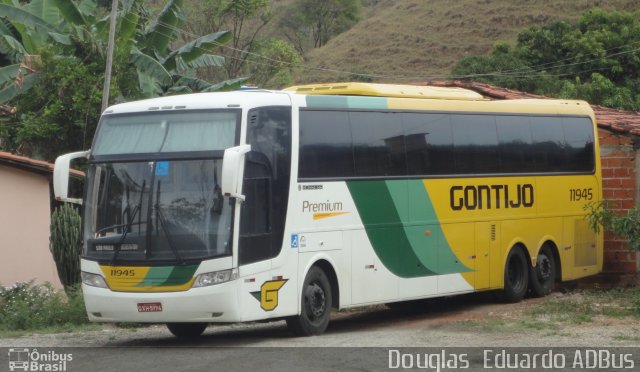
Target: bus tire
(516, 276)
(187, 330)
(542, 277)
(315, 305)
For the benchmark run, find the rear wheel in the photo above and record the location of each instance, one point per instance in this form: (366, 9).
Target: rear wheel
(187, 330)
(542, 277)
(316, 305)
(516, 276)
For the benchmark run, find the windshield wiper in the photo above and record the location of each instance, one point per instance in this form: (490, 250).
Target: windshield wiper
(163, 224)
(127, 227)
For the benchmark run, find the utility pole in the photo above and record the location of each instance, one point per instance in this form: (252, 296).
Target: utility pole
(107, 73)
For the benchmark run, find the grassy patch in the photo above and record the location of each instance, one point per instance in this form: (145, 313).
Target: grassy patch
(554, 313)
(626, 338)
(28, 307)
(583, 306)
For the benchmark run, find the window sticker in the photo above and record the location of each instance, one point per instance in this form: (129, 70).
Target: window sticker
(162, 168)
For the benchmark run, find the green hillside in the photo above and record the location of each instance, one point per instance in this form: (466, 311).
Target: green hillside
(417, 40)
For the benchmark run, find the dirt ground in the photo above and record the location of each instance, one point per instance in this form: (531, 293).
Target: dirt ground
(473, 320)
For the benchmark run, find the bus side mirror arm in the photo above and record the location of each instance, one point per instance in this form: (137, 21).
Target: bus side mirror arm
(232, 171)
(61, 173)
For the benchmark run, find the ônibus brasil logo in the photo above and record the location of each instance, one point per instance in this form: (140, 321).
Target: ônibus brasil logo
(24, 359)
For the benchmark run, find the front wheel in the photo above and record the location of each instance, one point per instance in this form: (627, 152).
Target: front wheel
(542, 277)
(516, 276)
(316, 305)
(186, 330)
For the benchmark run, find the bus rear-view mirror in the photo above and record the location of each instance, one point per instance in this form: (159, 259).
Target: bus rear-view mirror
(232, 169)
(61, 175)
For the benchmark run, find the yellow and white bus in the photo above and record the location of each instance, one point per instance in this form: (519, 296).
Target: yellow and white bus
(255, 205)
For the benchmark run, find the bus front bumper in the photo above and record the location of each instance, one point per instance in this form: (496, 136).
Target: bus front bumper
(217, 303)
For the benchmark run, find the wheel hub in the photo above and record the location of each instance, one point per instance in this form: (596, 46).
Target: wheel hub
(543, 267)
(315, 299)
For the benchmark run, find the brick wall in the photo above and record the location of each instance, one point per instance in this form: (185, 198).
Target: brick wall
(619, 181)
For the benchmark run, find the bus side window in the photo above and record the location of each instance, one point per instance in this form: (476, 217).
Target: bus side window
(548, 144)
(475, 144)
(515, 143)
(378, 144)
(326, 146)
(428, 143)
(578, 137)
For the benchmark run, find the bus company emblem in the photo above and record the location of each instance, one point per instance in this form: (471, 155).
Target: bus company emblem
(268, 294)
(490, 197)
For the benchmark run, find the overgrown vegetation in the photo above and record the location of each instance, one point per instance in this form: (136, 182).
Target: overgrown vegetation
(254, 51)
(596, 59)
(623, 224)
(557, 312)
(28, 307)
(312, 23)
(54, 50)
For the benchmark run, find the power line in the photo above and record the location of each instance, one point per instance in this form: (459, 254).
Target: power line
(523, 73)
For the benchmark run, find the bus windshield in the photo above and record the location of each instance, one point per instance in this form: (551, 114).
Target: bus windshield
(154, 186)
(156, 210)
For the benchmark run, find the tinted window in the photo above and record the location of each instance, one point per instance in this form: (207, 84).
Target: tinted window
(429, 143)
(548, 144)
(325, 145)
(441, 144)
(475, 143)
(266, 184)
(578, 137)
(514, 140)
(378, 144)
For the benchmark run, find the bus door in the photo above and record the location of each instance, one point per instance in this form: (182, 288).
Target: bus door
(265, 185)
(263, 213)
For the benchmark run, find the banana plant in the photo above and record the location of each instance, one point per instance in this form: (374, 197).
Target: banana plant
(76, 28)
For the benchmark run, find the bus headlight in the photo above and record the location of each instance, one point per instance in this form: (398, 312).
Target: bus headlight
(94, 280)
(215, 277)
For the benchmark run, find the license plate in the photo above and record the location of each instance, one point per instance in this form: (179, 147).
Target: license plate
(148, 307)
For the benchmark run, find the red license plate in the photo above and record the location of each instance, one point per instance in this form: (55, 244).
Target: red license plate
(148, 307)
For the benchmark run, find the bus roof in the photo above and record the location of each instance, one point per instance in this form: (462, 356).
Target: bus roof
(388, 90)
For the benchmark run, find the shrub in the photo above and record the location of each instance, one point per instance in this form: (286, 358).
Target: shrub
(25, 306)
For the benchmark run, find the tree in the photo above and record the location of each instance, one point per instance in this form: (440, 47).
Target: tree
(244, 18)
(55, 49)
(272, 63)
(321, 20)
(252, 52)
(144, 42)
(61, 111)
(596, 59)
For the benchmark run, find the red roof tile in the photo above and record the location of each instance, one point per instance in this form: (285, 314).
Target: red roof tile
(31, 164)
(626, 122)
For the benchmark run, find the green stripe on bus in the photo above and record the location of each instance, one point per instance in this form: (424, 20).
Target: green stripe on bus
(155, 276)
(419, 215)
(344, 102)
(180, 275)
(384, 229)
(168, 275)
(396, 215)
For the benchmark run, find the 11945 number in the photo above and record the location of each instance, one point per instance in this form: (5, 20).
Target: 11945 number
(580, 194)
